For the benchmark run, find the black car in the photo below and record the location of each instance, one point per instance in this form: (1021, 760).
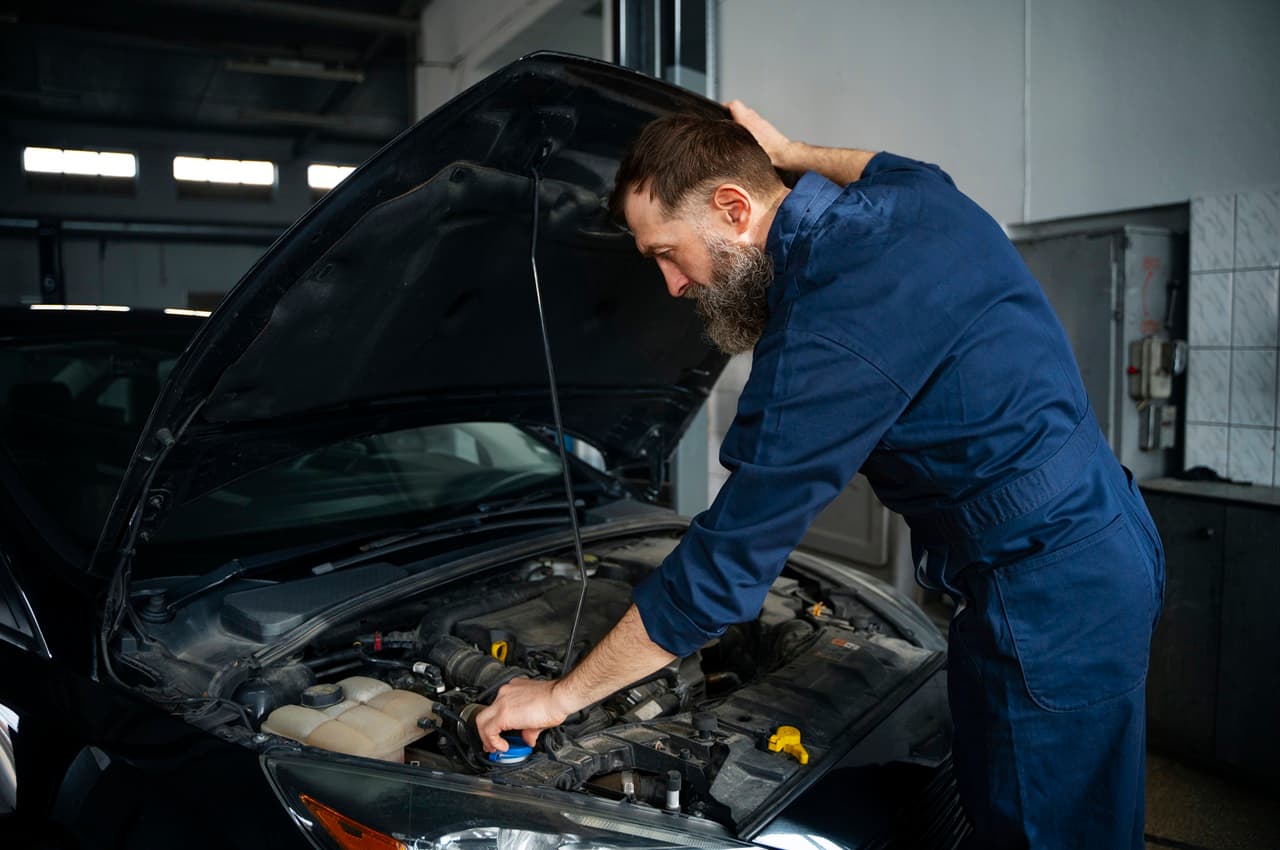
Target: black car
(260, 571)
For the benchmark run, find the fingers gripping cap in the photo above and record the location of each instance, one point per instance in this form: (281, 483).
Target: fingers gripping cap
(517, 750)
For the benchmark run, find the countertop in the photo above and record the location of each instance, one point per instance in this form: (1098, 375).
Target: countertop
(1250, 494)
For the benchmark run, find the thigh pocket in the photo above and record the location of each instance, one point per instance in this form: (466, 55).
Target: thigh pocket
(1080, 618)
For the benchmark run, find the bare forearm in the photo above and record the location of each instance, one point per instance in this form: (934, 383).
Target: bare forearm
(839, 165)
(624, 655)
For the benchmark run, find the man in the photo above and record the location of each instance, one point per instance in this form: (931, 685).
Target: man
(897, 332)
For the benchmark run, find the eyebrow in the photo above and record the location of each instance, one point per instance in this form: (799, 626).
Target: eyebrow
(648, 250)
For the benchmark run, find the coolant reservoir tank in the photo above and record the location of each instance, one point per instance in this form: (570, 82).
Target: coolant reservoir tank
(358, 716)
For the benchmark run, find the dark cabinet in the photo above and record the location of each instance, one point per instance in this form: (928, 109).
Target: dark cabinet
(1248, 724)
(1213, 691)
(1182, 682)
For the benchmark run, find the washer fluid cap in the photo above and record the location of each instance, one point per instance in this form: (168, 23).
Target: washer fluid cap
(322, 696)
(517, 750)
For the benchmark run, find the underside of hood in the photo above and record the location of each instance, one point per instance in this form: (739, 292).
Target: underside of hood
(406, 295)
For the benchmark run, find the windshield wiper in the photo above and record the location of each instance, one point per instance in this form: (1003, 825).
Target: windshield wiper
(482, 516)
(162, 605)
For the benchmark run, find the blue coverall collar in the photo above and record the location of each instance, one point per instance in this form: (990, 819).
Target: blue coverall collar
(811, 196)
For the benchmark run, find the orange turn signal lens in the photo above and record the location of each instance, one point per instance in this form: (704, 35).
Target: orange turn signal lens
(347, 833)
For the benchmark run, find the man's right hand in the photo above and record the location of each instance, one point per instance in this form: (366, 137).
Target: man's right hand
(776, 145)
(524, 705)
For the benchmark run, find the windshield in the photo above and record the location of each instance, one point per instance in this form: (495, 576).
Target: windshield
(372, 482)
(70, 415)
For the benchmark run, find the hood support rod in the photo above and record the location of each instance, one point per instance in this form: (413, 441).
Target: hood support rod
(555, 413)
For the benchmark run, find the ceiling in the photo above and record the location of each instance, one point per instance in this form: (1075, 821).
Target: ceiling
(308, 69)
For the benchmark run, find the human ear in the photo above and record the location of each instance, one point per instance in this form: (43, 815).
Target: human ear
(733, 204)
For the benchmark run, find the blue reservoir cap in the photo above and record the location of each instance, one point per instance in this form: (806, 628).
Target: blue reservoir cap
(517, 750)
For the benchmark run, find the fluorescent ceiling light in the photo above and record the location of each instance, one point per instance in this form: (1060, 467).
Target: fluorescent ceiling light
(86, 163)
(84, 308)
(248, 172)
(321, 176)
(182, 311)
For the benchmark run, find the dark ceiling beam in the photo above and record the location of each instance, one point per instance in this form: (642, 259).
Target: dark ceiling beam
(356, 131)
(295, 68)
(293, 118)
(318, 15)
(72, 34)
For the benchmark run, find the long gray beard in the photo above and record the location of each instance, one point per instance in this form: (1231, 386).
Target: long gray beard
(734, 306)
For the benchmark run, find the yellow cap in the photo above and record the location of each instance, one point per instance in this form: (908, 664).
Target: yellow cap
(787, 740)
(499, 650)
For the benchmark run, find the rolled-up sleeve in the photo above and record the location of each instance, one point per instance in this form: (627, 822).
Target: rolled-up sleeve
(809, 416)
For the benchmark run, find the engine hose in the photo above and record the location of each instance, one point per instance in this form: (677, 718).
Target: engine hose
(596, 719)
(340, 667)
(464, 665)
(461, 734)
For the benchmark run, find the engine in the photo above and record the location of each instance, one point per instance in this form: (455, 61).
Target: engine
(714, 734)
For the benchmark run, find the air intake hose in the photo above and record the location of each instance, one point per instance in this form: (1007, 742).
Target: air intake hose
(466, 666)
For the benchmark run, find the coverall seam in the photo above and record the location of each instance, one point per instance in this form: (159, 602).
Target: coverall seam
(854, 353)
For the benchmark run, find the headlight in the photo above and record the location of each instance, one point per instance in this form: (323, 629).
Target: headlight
(349, 805)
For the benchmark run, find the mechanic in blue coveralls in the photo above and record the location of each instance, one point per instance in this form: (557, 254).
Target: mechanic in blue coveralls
(896, 331)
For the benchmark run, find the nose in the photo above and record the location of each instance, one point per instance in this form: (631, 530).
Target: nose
(677, 282)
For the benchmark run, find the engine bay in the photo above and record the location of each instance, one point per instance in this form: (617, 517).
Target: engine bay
(713, 735)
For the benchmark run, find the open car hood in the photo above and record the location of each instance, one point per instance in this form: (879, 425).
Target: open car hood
(406, 297)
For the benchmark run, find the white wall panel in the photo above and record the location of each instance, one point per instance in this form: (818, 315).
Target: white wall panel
(932, 80)
(1146, 102)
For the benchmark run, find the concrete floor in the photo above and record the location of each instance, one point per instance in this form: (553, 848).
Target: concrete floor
(1188, 809)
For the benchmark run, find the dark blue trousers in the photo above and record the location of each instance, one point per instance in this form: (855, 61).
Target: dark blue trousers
(1047, 674)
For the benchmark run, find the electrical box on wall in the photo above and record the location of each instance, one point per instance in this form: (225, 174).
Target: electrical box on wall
(1152, 364)
(1158, 427)
(1119, 292)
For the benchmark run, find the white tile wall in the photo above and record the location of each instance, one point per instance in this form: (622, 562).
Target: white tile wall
(1252, 455)
(1207, 446)
(1209, 385)
(1213, 223)
(1255, 318)
(1253, 387)
(1258, 229)
(1209, 322)
(1233, 369)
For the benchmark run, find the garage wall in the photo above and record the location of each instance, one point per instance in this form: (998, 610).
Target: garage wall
(1039, 109)
(1148, 102)
(931, 79)
(151, 274)
(464, 40)
(19, 270)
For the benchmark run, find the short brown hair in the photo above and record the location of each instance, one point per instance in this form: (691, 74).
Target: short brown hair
(678, 154)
